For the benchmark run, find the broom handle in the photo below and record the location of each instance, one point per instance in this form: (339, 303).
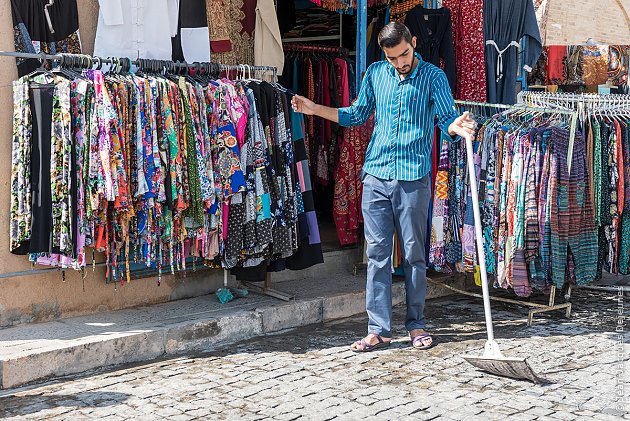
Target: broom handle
(479, 236)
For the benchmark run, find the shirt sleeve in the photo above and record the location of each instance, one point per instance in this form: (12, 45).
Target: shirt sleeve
(444, 105)
(359, 112)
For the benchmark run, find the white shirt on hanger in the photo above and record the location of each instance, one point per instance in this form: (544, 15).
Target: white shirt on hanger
(136, 28)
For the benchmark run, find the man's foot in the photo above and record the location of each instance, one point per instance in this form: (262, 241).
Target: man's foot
(371, 342)
(420, 339)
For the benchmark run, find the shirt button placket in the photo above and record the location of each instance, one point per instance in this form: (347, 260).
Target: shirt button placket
(395, 131)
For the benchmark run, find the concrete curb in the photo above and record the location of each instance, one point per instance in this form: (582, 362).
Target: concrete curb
(91, 352)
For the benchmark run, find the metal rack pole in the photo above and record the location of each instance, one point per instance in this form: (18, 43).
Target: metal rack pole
(266, 289)
(109, 60)
(536, 308)
(516, 107)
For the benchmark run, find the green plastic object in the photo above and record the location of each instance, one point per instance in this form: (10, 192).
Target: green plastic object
(224, 295)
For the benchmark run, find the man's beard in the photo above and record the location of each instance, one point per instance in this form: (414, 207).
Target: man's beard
(405, 70)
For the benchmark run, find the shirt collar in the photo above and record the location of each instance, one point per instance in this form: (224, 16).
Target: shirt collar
(392, 69)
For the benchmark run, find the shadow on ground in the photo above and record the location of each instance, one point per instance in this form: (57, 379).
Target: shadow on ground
(25, 405)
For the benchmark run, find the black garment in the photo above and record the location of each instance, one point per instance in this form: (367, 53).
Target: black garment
(30, 25)
(192, 14)
(506, 22)
(285, 10)
(377, 19)
(432, 28)
(41, 97)
(307, 254)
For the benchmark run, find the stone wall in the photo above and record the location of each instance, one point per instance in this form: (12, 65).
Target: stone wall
(572, 22)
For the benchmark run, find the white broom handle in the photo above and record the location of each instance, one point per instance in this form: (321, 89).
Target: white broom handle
(479, 236)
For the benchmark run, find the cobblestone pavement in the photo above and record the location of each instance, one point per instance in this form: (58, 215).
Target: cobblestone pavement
(311, 373)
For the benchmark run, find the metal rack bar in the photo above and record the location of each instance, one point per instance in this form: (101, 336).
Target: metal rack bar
(266, 289)
(307, 39)
(582, 103)
(516, 107)
(138, 62)
(315, 48)
(536, 308)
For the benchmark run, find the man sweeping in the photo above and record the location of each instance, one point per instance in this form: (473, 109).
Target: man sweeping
(407, 94)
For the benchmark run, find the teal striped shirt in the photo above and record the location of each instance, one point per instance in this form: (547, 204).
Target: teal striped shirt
(402, 141)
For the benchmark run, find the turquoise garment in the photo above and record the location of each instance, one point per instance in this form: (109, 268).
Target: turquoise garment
(402, 141)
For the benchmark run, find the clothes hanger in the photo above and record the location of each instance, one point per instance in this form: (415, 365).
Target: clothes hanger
(41, 70)
(66, 67)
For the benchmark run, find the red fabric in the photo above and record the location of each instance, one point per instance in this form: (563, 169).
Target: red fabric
(469, 44)
(555, 63)
(248, 22)
(221, 46)
(348, 187)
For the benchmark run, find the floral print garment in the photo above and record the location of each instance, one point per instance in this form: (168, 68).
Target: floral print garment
(164, 170)
(20, 226)
(61, 169)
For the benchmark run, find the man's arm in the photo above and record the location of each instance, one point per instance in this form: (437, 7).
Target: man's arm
(306, 106)
(354, 115)
(450, 122)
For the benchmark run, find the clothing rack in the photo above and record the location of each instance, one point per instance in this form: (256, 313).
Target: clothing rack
(524, 107)
(304, 39)
(534, 308)
(584, 104)
(315, 48)
(85, 61)
(588, 104)
(536, 109)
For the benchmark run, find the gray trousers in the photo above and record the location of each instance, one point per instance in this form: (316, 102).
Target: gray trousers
(404, 205)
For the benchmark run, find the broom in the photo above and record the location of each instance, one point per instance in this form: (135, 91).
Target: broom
(492, 360)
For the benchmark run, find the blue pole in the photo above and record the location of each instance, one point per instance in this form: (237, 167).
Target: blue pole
(361, 41)
(387, 17)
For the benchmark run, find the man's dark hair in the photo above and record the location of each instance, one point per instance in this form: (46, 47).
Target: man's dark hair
(393, 34)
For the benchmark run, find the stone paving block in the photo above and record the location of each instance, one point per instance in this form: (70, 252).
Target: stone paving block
(523, 416)
(519, 405)
(359, 413)
(485, 416)
(286, 417)
(539, 411)
(311, 374)
(320, 416)
(606, 417)
(614, 412)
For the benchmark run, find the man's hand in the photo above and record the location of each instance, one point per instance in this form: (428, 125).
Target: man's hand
(303, 105)
(462, 126)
